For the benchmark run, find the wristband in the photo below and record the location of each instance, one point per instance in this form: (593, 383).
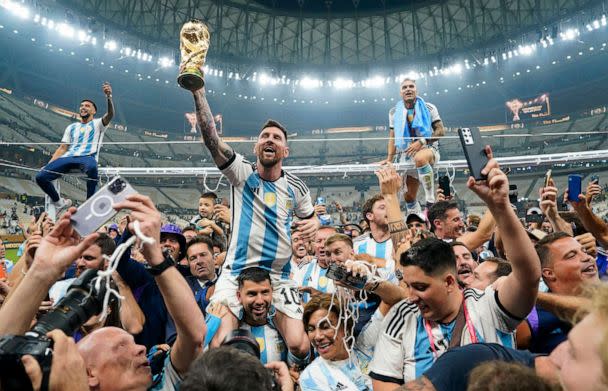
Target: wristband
(157, 270)
(422, 141)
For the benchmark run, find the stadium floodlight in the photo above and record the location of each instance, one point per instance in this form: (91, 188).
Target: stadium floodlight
(65, 30)
(264, 79)
(570, 34)
(309, 83)
(603, 20)
(51, 24)
(527, 50)
(110, 45)
(165, 62)
(126, 51)
(596, 24)
(373, 82)
(16, 8)
(343, 84)
(36, 18)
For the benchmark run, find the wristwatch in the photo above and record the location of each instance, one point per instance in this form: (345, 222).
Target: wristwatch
(157, 270)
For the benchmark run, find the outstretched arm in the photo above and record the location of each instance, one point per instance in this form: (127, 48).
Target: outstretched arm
(220, 151)
(107, 90)
(521, 286)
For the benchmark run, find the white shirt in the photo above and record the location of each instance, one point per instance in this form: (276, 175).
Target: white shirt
(403, 351)
(83, 139)
(262, 213)
(366, 244)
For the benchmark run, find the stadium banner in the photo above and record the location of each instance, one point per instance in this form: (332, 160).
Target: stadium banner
(41, 103)
(155, 134)
(191, 119)
(525, 109)
(64, 112)
(556, 120)
(6, 91)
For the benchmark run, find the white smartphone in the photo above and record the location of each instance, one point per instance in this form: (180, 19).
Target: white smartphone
(95, 211)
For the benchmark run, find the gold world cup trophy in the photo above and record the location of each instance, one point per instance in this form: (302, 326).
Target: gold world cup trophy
(194, 42)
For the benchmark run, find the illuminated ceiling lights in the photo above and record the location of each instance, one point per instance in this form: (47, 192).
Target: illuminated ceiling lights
(570, 34)
(343, 84)
(16, 8)
(309, 83)
(373, 82)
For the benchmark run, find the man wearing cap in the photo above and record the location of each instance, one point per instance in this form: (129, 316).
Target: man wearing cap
(113, 231)
(173, 241)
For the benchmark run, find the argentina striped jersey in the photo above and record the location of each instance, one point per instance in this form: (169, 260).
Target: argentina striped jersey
(83, 139)
(262, 213)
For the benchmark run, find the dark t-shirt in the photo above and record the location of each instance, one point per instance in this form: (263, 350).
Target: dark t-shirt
(547, 331)
(451, 371)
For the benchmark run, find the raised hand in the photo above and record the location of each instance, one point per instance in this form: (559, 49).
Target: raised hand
(494, 190)
(389, 179)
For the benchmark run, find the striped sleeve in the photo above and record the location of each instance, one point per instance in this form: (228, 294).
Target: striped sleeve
(237, 170)
(388, 361)
(303, 207)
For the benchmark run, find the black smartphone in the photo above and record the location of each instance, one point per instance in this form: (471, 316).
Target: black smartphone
(474, 150)
(535, 218)
(595, 179)
(218, 201)
(444, 185)
(513, 194)
(338, 273)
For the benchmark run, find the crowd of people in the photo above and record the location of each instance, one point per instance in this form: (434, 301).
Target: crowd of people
(264, 292)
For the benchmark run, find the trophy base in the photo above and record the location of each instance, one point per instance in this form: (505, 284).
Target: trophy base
(191, 81)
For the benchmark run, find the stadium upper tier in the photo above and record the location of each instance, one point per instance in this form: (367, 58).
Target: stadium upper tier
(24, 122)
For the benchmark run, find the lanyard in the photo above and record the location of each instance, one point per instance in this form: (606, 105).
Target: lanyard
(468, 322)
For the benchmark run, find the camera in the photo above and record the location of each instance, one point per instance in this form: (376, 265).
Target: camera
(339, 273)
(81, 302)
(243, 340)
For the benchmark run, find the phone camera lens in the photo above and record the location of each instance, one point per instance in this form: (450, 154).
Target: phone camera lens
(117, 186)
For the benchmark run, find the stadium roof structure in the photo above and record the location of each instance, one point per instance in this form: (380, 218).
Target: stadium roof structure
(334, 33)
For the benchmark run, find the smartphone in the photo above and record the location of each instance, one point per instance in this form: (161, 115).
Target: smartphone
(535, 218)
(513, 194)
(338, 273)
(97, 210)
(474, 151)
(574, 186)
(444, 185)
(218, 201)
(321, 201)
(547, 178)
(37, 211)
(595, 179)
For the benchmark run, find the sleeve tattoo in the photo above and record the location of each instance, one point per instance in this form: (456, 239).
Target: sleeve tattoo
(397, 230)
(220, 151)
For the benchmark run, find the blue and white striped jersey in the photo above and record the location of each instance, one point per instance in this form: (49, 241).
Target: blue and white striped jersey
(366, 244)
(325, 375)
(403, 351)
(262, 213)
(272, 345)
(313, 275)
(83, 139)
